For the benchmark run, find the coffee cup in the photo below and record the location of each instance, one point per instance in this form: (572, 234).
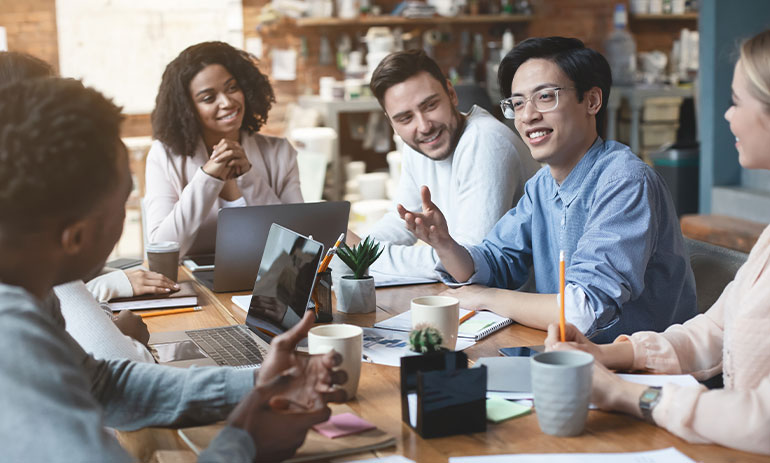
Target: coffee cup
(348, 341)
(440, 312)
(163, 257)
(561, 385)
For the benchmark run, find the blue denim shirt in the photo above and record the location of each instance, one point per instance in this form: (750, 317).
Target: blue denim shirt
(614, 218)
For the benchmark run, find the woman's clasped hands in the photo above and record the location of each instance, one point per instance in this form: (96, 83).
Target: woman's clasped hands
(227, 160)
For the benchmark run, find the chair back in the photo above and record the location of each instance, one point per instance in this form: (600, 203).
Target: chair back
(714, 267)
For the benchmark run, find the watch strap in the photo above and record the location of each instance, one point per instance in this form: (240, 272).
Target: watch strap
(648, 400)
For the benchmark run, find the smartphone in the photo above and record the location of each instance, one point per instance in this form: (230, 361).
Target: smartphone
(530, 351)
(124, 263)
(199, 263)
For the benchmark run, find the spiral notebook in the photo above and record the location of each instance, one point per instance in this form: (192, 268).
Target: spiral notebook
(477, 327)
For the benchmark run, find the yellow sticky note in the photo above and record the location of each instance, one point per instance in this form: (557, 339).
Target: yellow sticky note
(499, 409)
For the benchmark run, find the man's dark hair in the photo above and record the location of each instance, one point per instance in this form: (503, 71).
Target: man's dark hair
(400, 66)
(59, 143)
(16, 66)
(585, 67)
(175, 119)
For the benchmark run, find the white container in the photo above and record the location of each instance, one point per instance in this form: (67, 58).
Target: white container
(353, 88)
(319, 140)
(326, 88)
(394, 166)
(372, 186)
(355, 168)
(314, 147)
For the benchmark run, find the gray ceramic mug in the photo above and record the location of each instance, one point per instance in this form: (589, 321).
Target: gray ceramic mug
(561, 383)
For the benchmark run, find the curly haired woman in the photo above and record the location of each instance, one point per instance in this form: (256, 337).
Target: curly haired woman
(207, 154)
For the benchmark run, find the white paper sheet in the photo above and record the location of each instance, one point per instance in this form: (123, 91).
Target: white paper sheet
(386, 347)
(242, 302)
(649, 380)
(382, 280)
(669, 455)
(388, 459)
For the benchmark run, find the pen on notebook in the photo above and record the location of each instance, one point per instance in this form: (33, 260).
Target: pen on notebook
(467, 316)
(325, 263)
(170, 311)
(561, 297)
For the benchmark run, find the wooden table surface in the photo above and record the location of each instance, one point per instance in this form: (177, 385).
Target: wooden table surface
(378, 400)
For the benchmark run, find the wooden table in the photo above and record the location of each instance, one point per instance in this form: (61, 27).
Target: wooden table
(378, 400)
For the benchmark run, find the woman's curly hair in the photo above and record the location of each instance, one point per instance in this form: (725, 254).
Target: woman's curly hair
(175, 119)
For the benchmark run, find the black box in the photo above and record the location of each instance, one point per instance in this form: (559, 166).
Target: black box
(450, 397)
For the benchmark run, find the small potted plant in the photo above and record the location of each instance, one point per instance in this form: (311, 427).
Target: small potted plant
(425, 339)
(356, 292)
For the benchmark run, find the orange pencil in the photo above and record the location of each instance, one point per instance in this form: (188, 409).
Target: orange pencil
(325, 263)
(562, 321)
(170, 311)
(467, 316)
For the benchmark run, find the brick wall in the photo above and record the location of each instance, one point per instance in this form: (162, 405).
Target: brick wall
(31, 26)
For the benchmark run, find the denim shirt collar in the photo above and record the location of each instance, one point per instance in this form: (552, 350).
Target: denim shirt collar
(571, 185)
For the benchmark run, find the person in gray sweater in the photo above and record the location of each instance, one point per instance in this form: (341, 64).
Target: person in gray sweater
(64, 180)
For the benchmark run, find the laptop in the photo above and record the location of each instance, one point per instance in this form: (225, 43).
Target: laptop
(280, 297)
(242, 231)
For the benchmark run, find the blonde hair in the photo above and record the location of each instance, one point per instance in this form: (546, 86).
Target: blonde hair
(755, 59)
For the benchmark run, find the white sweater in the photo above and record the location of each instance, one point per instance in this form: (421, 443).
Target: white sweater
(473, 187)
(93, 328)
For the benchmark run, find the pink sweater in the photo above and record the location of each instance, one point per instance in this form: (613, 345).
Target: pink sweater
(733, 337)
(181, 201)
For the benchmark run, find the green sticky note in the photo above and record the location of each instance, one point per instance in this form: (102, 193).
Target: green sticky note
(499, 409)
(474, 326)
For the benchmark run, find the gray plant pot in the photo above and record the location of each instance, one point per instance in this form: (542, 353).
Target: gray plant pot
(355, 296)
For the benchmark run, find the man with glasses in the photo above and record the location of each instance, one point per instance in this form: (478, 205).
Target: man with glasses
(474, 165)
(626, 266)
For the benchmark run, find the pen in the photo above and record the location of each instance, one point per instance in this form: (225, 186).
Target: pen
(330, 253)
(467, 316)
(561, 297)
(170, 311)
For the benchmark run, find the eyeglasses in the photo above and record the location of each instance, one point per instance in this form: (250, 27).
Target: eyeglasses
(545, 100)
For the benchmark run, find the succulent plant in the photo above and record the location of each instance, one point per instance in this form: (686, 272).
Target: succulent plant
(425, 339)
(360, 257)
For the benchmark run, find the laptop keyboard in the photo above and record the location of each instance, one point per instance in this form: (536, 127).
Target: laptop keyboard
(229, 345)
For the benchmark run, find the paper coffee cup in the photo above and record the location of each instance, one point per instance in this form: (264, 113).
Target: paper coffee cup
(163, 257)
(348, 341)
(440, 312)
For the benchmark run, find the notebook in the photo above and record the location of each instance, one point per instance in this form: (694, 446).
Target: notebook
(316, 446)
(185, 297)
(477, 327)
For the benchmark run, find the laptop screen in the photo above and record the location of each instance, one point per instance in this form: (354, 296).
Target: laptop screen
(285, 280)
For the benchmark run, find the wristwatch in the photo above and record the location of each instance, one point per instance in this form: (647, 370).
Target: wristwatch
(647, 402)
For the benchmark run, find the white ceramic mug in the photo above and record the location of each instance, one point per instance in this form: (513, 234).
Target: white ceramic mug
(441, 312)
(348, 341)
(561, 385)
